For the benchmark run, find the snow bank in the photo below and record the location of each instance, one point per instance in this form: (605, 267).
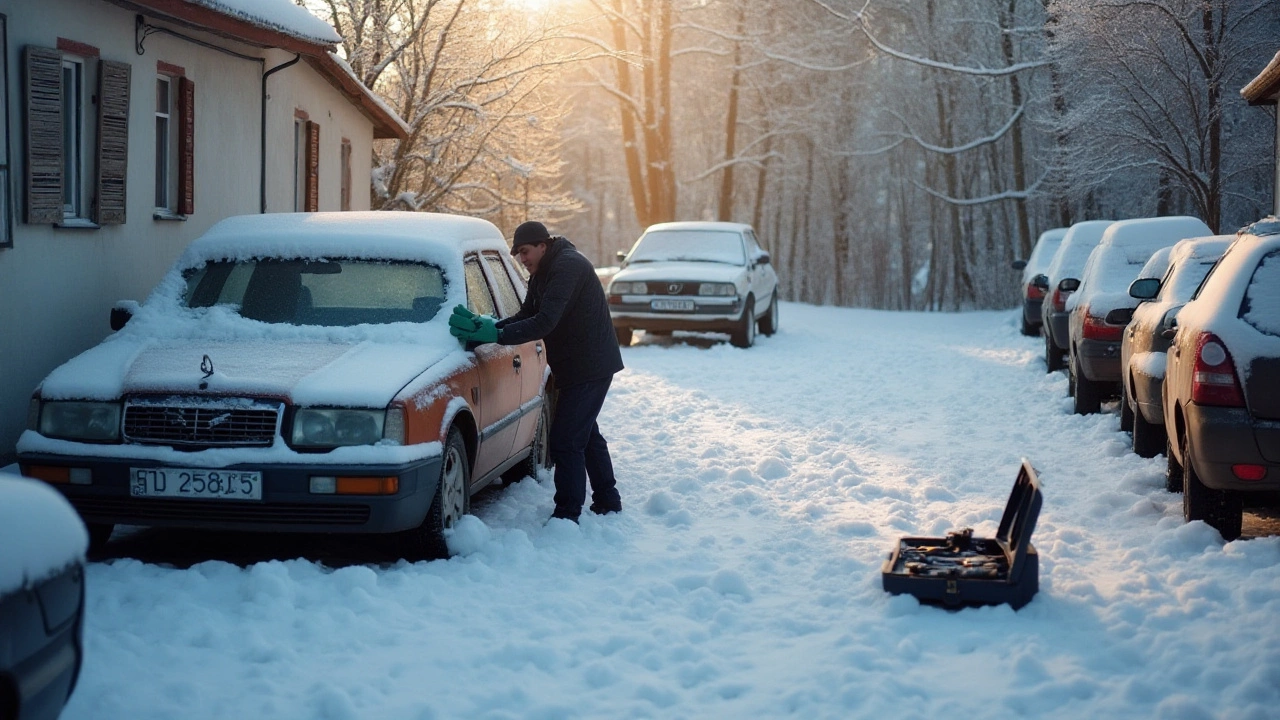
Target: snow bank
(40, 533)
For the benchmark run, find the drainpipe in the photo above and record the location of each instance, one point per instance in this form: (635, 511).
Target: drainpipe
(262, 177)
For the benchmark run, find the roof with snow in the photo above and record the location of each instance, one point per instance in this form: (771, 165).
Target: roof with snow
(1264, 89)
(278, 24)
(698, 225)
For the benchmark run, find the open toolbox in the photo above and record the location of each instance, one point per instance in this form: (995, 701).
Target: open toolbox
(961, 570)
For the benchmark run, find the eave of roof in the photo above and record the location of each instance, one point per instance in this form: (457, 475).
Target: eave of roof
(386, 124)
(1264, 89)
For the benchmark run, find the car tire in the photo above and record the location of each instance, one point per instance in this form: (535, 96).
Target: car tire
(1052, 355)
(99, 534)
(1221, 510)
(769, 323)
(1126, 411)
(1172, 469)
(539, 452)
(1148, 438)
(624, 336)
(1085, 391)
(1028, 329)
(451, 502)
(745, 335)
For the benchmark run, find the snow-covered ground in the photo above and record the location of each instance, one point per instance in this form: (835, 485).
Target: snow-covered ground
(762, 491)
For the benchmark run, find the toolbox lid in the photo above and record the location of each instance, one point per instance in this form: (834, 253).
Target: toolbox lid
(1019, 520)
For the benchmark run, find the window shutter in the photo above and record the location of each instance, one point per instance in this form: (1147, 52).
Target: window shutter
(113, 141)
(187, 146)
(313, 167)
(43, 76)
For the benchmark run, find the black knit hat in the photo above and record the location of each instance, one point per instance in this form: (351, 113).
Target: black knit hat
(529, 233)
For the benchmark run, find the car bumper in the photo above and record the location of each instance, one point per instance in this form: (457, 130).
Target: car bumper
(287, 503)
(41, 633)
(1031, 311)
(1220, 438)
(708, 315)
(1059, 326)
(1099, 360)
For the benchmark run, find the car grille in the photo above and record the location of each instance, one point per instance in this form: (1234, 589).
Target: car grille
(658, 287)
(212, 511)
(199, 422)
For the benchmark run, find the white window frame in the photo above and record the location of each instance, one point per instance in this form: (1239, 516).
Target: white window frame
(6, 208)
(166, 149)
(73, 106)
(299, 164)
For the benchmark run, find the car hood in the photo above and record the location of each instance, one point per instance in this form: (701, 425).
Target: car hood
(681, 272)
(356, 374)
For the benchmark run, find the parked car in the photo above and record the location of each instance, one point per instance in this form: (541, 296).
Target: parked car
(1032, 293)
(1146, 339)
(1221, 392)
(1060, 280)
(1101, 307)
(294, 372)
(700, 276)
(42, 551)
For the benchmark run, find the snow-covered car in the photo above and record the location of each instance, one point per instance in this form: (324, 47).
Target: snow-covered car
(1061, 279)
(295, 372)
(1101, 307)
(699, 276)
(42, 551)
(1221, 390)
(1032, 292)
(1146, 339)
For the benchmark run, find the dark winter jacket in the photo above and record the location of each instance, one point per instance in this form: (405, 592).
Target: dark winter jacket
(566, 306)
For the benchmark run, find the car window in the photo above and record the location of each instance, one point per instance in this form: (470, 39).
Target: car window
(1261, 305)
(333, 293)
(717, 246)
(1183, 279)
(479, 299)
(507, 296)
(753, 245)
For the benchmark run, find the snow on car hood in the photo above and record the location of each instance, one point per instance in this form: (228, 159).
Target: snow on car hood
(681, 271)
(40, 532)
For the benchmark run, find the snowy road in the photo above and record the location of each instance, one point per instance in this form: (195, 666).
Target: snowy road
(762, 490)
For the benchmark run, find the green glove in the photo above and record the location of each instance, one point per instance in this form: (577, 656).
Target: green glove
(482, 329)
(462, 311)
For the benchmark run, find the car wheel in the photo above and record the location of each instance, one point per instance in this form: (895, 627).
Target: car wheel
(769, 323)
(452, 501)
(539, 452)
(745, 335)
(1148, 438)
(1086, 393)
(99, 534)
(1028, 329)
(624, 336)
(1126, 412)
(1221, 510)
(1052, 355)
(1172, 469)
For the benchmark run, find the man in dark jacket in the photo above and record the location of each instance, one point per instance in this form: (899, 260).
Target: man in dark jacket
(566, 306)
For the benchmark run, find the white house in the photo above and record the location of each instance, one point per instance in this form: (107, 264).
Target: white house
(1265, 90)
(131, 126)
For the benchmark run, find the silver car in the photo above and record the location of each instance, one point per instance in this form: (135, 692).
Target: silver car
(699, 276)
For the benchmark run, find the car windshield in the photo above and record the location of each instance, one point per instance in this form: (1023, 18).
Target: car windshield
(717, 246)
(332, 293)
(1261, 306)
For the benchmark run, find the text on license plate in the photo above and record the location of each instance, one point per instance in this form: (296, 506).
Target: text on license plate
(671, 304)
(195, 483)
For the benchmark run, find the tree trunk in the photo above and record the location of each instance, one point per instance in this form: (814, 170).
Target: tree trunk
(725, 213)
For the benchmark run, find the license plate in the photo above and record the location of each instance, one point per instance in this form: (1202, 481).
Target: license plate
(671, 304)
(193, 483)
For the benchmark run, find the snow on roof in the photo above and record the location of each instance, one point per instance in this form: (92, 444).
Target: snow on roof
(699, 225)
(1150, 234)
(40, 533)
(1217, 307)
(279, 15)
(1079, 241)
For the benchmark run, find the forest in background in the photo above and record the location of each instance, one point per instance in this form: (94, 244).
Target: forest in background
(892, 154)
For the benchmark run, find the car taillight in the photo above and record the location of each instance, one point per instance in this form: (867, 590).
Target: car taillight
(1213, 379)
(1096, 328)
(1034, 293)
(1059, 300)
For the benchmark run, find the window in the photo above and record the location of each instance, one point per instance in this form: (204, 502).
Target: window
(299, 164)
(166, 158)
(506, 291)
(6, 222)
(306, 164)
(479, 299)
(345, 200)
(72, 136)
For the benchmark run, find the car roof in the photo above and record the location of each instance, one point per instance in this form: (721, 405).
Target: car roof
(1154, 233)
(1200, 248)
(428, 237)
(699, 225)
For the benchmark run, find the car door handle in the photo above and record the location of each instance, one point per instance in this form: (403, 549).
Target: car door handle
(516, 362)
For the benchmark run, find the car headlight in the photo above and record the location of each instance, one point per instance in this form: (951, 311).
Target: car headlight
(629, 288)
(337, 427)
(727, 289)
(80, 420)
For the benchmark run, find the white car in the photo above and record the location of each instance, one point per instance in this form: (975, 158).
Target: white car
(698, 276)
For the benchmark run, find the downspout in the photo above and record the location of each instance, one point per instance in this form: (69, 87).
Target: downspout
(262, 177)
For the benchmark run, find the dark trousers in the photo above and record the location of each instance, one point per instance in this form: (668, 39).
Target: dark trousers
(579, 451)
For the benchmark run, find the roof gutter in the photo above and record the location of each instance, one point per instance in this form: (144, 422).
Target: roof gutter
(262, 176)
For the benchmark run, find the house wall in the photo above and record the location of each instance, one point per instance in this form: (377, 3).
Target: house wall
(57, 285)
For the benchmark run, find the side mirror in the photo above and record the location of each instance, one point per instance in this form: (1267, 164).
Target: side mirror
(1069, 285)
(1018, 264)
(1144, 288)
(122, 313)
(621, 256)
(1040, 281)
(763, 259)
